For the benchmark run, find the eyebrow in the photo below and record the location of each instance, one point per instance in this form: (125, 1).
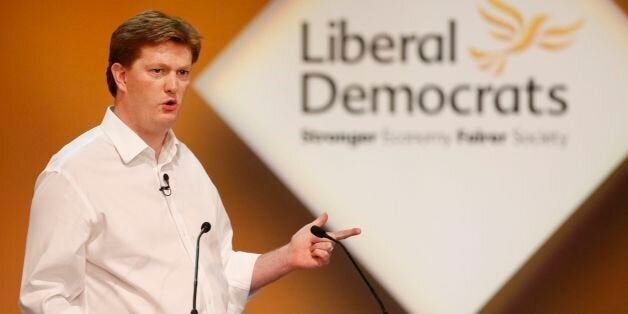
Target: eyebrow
(163, 65)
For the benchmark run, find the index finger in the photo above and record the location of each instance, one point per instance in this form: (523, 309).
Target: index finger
(343, 234)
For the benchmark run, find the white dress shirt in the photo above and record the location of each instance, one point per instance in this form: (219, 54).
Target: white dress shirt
(103, 239)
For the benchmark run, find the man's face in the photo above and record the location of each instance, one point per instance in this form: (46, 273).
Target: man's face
(155, 86)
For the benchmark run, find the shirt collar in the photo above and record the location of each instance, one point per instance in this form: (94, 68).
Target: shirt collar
(128, 144)
(170, 148)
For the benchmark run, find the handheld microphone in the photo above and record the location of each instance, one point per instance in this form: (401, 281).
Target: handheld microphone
(205, 227)
(319, 232)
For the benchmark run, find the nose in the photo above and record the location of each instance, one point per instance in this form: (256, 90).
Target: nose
(171, 85)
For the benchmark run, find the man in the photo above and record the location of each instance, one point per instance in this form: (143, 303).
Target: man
(116, 212)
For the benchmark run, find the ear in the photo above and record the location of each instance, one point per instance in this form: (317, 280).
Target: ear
(119, 75)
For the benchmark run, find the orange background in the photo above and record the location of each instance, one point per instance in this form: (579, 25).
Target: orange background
(54, 57)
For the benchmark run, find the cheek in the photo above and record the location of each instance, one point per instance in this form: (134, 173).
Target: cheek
(184, 85)
(135, 86)
(147, 88)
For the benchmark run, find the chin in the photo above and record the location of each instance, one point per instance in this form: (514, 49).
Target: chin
(167, 120)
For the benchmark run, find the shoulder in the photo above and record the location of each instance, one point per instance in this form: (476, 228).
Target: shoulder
(83, 149)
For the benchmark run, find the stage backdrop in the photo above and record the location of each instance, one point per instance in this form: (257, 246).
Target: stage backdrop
(55, 53)
(454, 132)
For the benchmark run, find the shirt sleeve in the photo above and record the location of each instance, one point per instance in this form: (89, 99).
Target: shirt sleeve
(54, 264)
(238, 266)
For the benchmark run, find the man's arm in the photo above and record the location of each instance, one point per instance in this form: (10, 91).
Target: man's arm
(54, 264)
(305, 251)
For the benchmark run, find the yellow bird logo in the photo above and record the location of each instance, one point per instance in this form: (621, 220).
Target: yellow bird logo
(509, 26)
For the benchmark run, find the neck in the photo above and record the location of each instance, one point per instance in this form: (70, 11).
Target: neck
(157, 144)
(154, 139)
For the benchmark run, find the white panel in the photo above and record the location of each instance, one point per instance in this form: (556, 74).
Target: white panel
(446, 220)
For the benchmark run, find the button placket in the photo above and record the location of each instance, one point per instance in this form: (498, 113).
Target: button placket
(185, 239)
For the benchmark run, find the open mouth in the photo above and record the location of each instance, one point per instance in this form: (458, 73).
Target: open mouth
(170, 104)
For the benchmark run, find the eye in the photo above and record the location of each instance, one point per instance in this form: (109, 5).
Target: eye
(184, 72)
(157, 70)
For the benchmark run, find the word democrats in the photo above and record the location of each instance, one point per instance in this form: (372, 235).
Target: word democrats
(339, 49)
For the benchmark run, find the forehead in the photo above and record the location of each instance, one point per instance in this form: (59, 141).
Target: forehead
(169, 52)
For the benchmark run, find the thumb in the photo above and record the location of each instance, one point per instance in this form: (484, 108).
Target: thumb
(321, 220)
